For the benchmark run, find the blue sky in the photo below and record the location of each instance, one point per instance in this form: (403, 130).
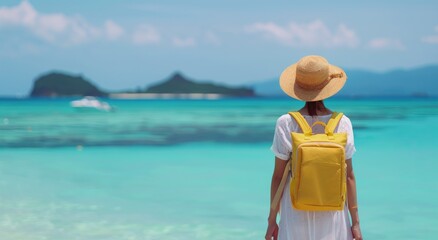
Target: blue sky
(124, 44)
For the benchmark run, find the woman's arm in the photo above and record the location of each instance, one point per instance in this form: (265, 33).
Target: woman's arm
(352, 201)
(272, 230)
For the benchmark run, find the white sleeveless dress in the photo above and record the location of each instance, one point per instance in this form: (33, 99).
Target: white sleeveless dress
(310, 225)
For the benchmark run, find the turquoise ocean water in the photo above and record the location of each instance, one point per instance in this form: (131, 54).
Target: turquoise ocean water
(198, 169)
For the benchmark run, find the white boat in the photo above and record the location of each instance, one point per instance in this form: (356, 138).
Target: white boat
(89, 102)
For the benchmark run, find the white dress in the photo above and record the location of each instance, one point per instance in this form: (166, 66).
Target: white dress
(310, 225)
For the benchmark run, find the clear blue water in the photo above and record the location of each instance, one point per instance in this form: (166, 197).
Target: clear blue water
(167, 169)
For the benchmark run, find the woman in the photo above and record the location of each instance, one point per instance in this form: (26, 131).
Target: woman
(311, 79)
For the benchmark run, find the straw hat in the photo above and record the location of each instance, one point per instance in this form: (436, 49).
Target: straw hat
(312, 78)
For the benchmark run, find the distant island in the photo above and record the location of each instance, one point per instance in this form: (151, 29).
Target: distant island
(177, 83)
(56, 84)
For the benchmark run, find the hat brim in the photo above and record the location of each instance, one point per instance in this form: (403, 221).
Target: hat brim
(287, 84)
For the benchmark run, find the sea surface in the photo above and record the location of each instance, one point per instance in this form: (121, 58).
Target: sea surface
(198, 169)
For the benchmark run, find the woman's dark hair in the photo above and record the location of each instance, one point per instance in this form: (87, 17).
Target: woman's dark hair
(312, 107)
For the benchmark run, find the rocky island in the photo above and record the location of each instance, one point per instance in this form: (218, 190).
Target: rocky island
(178, 86)
(177, 83)
(56, 84)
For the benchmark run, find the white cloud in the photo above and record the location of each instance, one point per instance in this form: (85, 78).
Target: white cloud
(271, 30)
(23, 14)
(113, 30)
(55, 28)
(386, 43)
(313, 34)
(183, 42)
(145, 34)
(432, 39)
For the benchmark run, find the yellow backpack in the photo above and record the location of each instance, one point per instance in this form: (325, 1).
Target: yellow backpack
(318, 167)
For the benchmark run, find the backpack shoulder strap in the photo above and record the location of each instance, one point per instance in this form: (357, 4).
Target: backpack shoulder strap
(279, 193)
(307, 130)
(333, 122)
